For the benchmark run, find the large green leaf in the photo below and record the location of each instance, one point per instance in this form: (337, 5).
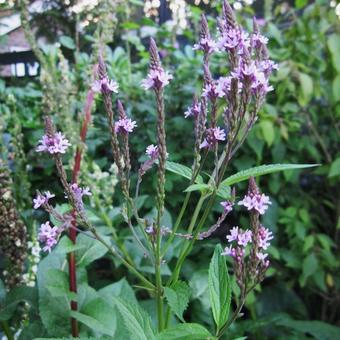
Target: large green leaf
(318, 329)
(137, 321)
(181, 170)
(186, 331)
(178, 297)
(90, 250)
(54, 312)
(16, 295)
(99, 316)
(263, 170)
(219, 288)
(120, 289)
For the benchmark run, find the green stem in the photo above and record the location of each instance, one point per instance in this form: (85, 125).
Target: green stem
(159, 289)
(7, 330)
(126, 263)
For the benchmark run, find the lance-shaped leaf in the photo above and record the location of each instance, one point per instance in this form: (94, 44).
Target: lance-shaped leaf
(181, 170)
(219, 288)
(187, 331)
(263, 170)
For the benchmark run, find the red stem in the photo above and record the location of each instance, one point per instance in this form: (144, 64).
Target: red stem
(73, 231)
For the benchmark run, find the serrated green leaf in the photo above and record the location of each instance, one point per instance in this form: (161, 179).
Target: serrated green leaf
(58, 285)
(90, 250)
(99, 316)
(263, 170)
(181, 170)
(137, 321)
(178, 297)
(219, 288)
(187, 331)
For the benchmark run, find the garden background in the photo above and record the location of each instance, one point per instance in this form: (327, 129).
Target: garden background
(300, 123)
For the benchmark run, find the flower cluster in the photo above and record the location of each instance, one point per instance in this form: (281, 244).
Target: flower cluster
(193, 110)
(207, 45)
(49, 235)
(42, 199)
(227, 206)
(213, 136)
(79, 193)
(156, 79)
(125, 125)
(57, 143)
(105, 85)
(256, 201)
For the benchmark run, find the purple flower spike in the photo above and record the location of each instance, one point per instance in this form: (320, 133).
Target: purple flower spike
(193, 110)
(125, 125)
(54, 144)
(152, 151)
(213, 136)
(79, 193)
(265, 235)
(105, 85)
(156, 79)
(256, 201)
(48, 235)
(207, 45)
(227, 206)
(42, 199)
(233, 234)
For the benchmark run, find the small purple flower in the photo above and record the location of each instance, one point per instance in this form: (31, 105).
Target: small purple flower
(48, 235)
(55, 144)
(156, 79)
(244, 238)
(234, 39)
(193, 110)
(258, 40)
(260, 84)
(210, 91)
(228, 251)
(207, 45)
(125, 125)
(223, 86)
(268, 66)
(105, 85)
(79, 193)
(213, 136)
(42, 199)
(233, 234)
(227, 206)
(265, 235)
(256, 201)
(152, 151)
(261, 256)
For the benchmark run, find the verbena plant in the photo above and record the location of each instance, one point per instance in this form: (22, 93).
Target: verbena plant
(218, 135)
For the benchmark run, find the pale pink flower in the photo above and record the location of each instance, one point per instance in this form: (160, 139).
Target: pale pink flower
(259, 40)
(265, 235)
(105, 85)
(42, 199)
(207, 45)
(227, 206)
(193, 110)
(152, 151)
(48, 235)
(228, 251)
(244, 238)
(223, 86)
(258, 202)
(79, 193)
(54, 144)
(213, 136)
(156, 79)
(125, 125)
(233, 234)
